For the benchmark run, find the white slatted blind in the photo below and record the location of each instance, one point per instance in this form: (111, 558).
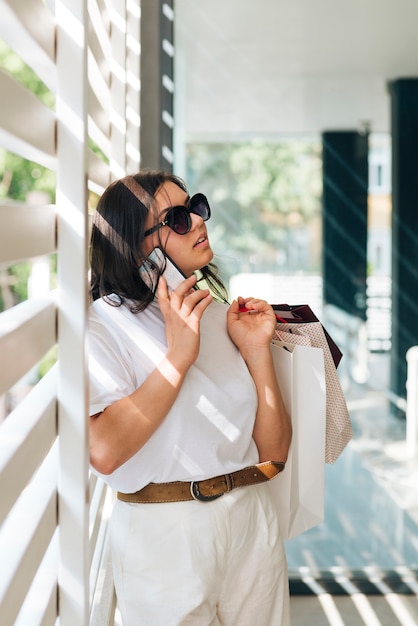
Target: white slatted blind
(54, 555)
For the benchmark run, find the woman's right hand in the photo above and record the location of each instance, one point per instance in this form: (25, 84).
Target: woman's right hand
(182, 309)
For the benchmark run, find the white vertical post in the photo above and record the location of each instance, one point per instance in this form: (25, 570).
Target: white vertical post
(118, 89)
(133, 85)
(412, 401)
(72, 281)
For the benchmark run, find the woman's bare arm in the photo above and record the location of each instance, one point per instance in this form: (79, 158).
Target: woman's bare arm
(252, 333)
(125, 426)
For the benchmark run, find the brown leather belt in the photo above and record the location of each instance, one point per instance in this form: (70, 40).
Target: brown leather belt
(204, 490)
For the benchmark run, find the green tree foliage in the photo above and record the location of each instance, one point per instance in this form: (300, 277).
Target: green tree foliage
(20, 178)
(14, 65)
(264, 195)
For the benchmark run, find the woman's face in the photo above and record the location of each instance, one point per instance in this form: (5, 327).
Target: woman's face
(189, 252)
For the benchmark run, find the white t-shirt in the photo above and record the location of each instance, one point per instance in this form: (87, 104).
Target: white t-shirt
(208, 430)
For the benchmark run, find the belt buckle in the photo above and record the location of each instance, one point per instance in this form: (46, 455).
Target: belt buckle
(196, 495)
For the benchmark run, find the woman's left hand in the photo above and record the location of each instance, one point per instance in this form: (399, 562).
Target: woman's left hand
(252, 329)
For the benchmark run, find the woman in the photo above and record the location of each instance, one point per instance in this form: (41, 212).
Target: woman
(187, 420)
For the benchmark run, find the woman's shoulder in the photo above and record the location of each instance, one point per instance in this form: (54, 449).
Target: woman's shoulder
(111, 309)
(218, 309)
(102, 308)
(214, 318)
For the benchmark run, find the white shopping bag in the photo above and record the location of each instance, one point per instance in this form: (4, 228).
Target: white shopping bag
(298, 491)
(338, 424)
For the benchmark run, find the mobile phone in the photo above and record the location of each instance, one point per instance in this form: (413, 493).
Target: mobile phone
(149, 271)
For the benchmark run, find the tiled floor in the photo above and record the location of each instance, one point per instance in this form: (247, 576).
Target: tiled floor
(355, 610)
(361, 563)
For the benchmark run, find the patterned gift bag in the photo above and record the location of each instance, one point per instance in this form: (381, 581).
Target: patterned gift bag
(338, 424)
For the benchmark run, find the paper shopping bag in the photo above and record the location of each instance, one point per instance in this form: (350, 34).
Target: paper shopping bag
(299, 325)
(303, 314)
(298, 491)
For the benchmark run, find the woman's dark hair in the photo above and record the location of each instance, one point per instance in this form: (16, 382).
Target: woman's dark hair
(116, 244)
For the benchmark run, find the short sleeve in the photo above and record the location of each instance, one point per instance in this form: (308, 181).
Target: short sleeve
(111, 375)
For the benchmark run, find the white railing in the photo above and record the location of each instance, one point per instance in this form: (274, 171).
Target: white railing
(54, 554)
(412, 402)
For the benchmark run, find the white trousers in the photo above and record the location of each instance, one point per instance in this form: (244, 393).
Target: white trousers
(219, 563)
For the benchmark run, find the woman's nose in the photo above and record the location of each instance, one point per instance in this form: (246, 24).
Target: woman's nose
(196, 219)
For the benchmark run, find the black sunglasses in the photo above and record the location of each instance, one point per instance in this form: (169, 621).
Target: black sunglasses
(178, 217)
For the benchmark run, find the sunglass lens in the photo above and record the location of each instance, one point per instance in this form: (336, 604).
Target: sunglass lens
(200, 206)
(178, 219)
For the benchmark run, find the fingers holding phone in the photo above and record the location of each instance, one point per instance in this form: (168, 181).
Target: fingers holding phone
(159, 264)
(182, 309)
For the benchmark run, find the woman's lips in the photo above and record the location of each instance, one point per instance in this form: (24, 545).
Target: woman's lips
(202, 240)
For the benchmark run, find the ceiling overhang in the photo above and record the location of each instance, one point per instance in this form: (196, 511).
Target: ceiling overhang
(270, 68)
